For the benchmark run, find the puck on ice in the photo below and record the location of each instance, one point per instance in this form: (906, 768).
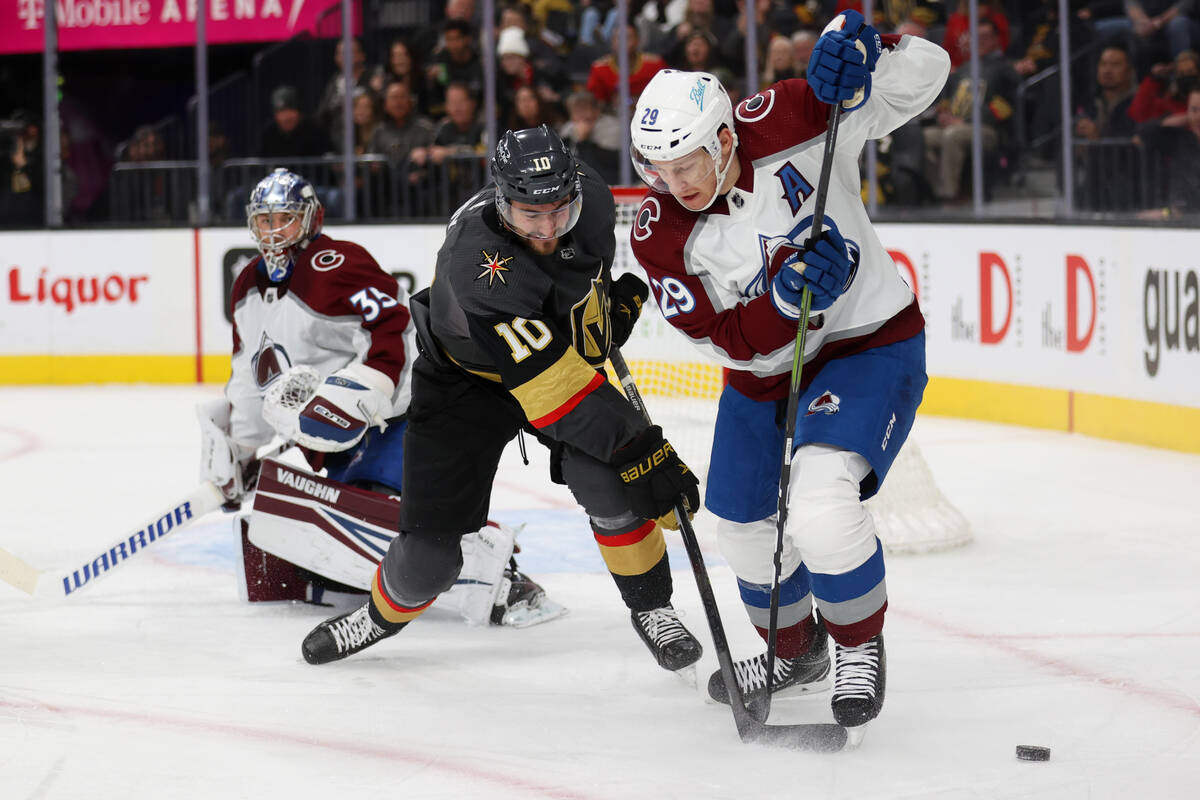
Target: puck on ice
(1029, 752)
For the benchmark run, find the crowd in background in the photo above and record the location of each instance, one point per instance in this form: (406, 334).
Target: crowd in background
(417, 95)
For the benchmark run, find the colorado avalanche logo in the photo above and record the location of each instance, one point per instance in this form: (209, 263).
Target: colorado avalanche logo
(650, 211)
(326, 260)
(269, 362)
(827, 403)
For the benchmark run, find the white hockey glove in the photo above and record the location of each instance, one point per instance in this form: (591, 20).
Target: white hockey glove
(220, 459)
(347, 403)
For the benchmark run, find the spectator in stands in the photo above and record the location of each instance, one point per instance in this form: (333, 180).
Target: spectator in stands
(700, 55)
(594, 135)
(403, 129)
(329, 110)
(1106, 114)
(530, 111)
(1162, 95)
(145, 191)
(22, 175)
(700, 17)
(778, 65)
(459, 133)
(403, 67)
(1149, 26)
(602, 81)
(772, 18)
(957, 40)
(597, 20)
(543, 56)
(365, 116)
(802, 47)
(456, 62)
(948, 140)
(455, 156)
(290, 134)
(1179, 146)
(517, 72)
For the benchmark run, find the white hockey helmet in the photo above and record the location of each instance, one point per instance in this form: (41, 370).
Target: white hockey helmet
(677, 114)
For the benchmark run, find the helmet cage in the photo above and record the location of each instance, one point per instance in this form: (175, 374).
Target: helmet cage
(285, 199)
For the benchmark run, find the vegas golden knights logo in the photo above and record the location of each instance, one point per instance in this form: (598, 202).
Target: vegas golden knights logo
(590, 330)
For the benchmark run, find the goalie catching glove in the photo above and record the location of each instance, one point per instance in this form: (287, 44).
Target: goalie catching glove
(656, 479)
(331, 415)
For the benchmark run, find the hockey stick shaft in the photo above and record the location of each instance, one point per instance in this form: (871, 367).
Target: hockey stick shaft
(793, 401)
(54, 583)
(809, 737)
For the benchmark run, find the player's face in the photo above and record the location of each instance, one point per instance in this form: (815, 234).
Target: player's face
(277, 229)
(692, 179)
(541, 224)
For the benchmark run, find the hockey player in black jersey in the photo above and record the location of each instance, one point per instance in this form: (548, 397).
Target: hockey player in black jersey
(513, 333)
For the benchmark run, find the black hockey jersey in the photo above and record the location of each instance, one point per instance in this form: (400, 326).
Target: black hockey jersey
(536, 325)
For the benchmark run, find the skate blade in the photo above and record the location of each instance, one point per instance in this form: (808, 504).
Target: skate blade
(687, 675)
(523, 615)
(855, 735)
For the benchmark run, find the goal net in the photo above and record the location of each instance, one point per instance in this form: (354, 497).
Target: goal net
(681, 388)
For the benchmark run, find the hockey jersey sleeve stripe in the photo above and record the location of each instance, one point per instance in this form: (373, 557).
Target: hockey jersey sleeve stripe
(554, 392)
(392, 611)
(633, 553)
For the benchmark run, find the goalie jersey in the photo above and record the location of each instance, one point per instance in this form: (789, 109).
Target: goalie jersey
(711, 271)
(337, 307)
(535, 326)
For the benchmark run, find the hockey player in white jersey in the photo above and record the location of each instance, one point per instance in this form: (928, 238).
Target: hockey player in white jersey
(728, 187)
(322, 351)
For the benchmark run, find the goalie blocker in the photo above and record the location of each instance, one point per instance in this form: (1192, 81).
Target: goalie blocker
(304, 522)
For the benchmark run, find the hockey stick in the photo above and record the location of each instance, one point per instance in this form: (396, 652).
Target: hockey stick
(823, 737)
(793, 401)
(55, 583)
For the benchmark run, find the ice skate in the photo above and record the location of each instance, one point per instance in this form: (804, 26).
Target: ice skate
(336, 638)
(859, 680)
(672, 645)
(793, 676)
(522, 602)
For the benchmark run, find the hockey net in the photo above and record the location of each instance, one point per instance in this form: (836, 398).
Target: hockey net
(681, 388)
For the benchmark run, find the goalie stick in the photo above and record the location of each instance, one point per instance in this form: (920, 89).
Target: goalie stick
(66, 583)
(822, 737)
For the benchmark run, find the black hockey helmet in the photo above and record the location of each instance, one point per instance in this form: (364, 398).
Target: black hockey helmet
(535, 168)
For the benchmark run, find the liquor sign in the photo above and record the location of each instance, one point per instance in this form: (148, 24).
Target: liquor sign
(132, 24)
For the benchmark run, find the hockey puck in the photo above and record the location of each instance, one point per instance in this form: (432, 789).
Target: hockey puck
(1030, 752)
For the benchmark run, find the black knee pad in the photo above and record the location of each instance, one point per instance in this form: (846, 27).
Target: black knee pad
(420, 566)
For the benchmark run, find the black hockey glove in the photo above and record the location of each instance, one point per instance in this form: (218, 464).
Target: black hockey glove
(627, 295)
(655, 478)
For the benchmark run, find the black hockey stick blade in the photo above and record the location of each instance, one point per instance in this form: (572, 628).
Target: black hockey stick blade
(818, 737)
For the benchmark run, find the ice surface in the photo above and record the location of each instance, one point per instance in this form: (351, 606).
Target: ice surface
(1073, 622)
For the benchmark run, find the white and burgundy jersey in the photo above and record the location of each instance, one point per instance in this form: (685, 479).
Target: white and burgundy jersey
(711, 271)
(338, 307)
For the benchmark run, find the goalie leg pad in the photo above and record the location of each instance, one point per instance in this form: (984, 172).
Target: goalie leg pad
(265, 577)
(481, 583)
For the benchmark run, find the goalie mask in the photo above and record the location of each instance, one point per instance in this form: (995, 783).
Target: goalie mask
(284, 215)
(533, 168)
(678, 118)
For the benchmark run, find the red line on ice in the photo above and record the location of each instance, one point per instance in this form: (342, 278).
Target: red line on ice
(26, 443)
(436, 761)
(1172, 700)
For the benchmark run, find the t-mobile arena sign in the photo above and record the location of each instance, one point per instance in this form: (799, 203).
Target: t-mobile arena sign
(115, 24)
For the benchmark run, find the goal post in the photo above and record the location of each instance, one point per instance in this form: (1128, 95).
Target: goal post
(681, 388)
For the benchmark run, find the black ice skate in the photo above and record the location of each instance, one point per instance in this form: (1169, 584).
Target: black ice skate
(673, 645)
(336, 638)
(793, 676)
(859, 677)
(526, 602)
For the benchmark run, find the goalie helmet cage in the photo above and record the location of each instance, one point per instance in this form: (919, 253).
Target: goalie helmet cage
(681, 388)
